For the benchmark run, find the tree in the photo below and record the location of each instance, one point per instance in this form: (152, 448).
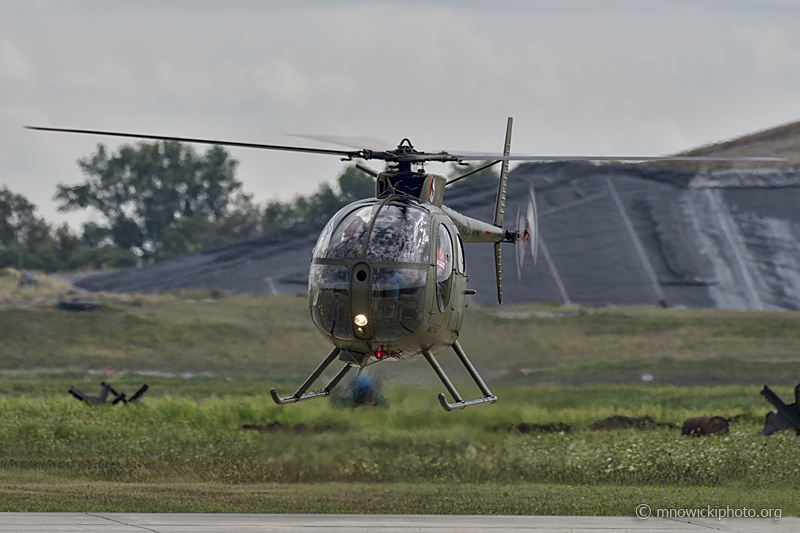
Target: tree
(353, 185)
(457, 170)
(67, 243)
(18, 223)
(198, 232)
(29, 242)
(150, 190)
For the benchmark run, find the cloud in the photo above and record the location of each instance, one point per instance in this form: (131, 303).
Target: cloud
(283, 82)
(13, 64)
(770, 52)
(578, 76)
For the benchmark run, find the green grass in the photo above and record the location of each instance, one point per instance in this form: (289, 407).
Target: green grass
(209, 363)
(172, 438)
(192, 332)
(173, 332)
(29, 493)
(682, 342)
(181, 453)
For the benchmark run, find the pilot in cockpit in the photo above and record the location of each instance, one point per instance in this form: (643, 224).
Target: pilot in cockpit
(349, 242)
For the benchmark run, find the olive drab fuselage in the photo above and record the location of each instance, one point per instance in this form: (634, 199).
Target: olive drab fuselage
(388, 279)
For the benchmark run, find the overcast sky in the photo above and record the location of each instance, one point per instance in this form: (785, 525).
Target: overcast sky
(579, 77)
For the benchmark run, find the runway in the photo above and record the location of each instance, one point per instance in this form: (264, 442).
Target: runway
(311, 523)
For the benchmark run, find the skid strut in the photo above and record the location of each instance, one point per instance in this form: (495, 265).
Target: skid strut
(488, 397)
(301, 395)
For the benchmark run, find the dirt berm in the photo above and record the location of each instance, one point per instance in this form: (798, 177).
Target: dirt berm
(610, 234)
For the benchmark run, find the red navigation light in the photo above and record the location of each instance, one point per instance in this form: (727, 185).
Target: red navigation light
(380, 354)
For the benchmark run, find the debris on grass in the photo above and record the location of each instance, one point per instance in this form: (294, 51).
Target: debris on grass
(552, 427)
(704, 425)
(784, 416)
(627, 422)
(78, 305)
(105, 391)
(610, 423)
(295, 428)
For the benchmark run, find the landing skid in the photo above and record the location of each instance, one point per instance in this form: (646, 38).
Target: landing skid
(488, 397)
(301, 394)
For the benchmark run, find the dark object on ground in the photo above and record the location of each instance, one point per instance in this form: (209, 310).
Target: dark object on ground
(552, 427)
(272, 426)
(297, 428)
(785, 416)
(362, 391)
(26, 279)
(704, 425)
(78, 305)
(119, 397)
(626, 422)
(742, 417)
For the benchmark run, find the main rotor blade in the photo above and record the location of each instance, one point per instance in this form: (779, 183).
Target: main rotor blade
(495, 157)
(341, 153)
(359, 143)
(412, 157)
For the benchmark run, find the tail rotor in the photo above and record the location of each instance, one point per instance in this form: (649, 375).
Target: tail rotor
(527, 232)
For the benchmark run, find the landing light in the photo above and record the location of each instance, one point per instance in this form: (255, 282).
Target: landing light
(360, 320)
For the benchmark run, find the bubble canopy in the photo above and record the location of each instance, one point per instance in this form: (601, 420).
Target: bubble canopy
(394, 238)
(395, 231)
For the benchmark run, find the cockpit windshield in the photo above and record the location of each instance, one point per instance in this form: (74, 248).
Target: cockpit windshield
(399, 233)
(344, 235)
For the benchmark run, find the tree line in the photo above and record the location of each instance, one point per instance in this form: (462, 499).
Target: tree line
(156, 201)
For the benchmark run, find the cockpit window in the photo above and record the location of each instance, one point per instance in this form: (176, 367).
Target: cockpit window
(444, 266)
(400, 234)
(343, 237)
(444, 254)
(328, 294)
(462, 265)
(398, 296)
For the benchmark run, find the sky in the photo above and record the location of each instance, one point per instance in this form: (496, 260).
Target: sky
(600, 77)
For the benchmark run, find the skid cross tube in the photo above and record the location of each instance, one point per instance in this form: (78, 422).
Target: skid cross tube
(459, 402)
(301, 395)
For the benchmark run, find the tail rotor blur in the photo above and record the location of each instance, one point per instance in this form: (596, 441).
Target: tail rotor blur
(527, 232)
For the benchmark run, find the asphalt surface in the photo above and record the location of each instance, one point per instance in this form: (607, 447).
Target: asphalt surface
(610, 235)
(241, 523)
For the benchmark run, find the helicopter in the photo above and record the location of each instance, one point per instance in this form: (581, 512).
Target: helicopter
(388, 277)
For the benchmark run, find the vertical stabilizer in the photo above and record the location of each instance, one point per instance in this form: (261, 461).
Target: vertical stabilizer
(500, 210)
(500, 206)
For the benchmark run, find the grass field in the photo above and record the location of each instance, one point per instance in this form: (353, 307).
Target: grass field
(202, 332)
(209, 360)
(411, 448)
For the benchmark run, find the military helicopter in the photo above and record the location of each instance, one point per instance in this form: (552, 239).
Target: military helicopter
(388, 277)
